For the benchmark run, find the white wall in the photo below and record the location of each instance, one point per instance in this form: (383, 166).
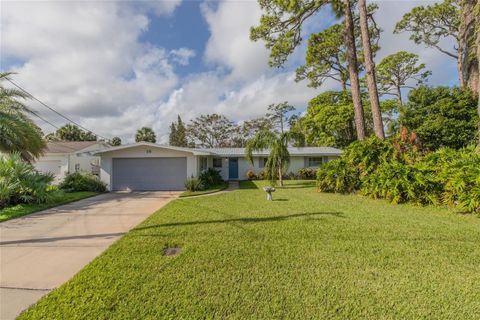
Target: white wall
(143, 152)
(296, 163)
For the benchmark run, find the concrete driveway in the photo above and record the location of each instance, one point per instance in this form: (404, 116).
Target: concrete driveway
(41, 251)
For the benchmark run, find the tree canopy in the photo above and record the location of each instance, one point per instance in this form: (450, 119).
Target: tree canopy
(145, 134)
(441, 116)
(395, 72)
(178, 134)
(116, 141)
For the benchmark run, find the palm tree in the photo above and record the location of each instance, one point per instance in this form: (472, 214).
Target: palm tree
(145, 134)
(279, 157)
(18, 133)
(69, 132)
(116, 141)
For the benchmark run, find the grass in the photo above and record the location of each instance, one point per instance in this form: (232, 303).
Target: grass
(20, 210)
(211, 189)
(305, 255)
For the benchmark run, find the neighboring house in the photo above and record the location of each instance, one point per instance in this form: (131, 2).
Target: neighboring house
(149, 166)
(63, 157)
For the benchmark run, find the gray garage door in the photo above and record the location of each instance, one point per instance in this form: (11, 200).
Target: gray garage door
(142, 174)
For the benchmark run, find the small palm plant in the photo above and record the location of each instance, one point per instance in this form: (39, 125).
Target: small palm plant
(279, 158)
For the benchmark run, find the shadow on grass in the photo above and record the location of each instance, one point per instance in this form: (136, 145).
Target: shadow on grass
(247, 185)
(302, 185)
(244, 220)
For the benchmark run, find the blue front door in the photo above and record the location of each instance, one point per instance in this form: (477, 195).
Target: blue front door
(233, 168)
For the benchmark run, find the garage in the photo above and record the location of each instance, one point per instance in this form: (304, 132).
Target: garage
(48, 166)
(147, 174)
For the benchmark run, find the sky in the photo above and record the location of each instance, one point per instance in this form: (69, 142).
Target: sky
(115, 66)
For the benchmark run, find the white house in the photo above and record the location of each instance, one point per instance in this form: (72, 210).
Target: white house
(62, 157)
(149, 166)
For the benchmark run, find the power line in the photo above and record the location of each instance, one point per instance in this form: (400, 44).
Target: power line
(55, 111)
(53, 142)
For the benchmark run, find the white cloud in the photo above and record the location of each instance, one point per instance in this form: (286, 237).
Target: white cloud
(229, 44)
(182, 56)
(86, 60)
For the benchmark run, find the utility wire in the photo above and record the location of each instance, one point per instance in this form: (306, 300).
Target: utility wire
(53, 142)
(55, 111)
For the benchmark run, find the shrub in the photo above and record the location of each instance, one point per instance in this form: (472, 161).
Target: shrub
(337, 176)
(306, 173)
(251, 175)
(82, 182)
(394, 169)
(194, 184)
(210, 177)
(398, 182)
(21, 183)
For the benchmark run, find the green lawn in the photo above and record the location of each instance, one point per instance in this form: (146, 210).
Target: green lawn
(24, 209)
(212, 189)
(303, 256)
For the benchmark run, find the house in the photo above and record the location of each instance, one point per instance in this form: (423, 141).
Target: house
(62, 157)
(149, 166)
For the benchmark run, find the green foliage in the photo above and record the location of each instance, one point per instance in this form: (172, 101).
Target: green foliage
(337, 176)
(306, 174)
(82, 182)
(279, 158)
(329, 120)
(395, 170)
(210, 177)
(178, 134)
(458, 171)
(277, 114)
(441, 117)
(194, 184)
(18, 133)
(145, 134)
(21, 183)
(281, 25)
(211, 131)
(116, 141)
(395, 71)
(326, 53)
(430, 24)
(71, 132)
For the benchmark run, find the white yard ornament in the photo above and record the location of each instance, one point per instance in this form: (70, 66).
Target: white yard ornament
(269, 191)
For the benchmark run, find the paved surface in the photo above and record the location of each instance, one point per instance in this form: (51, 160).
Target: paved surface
(41, 251)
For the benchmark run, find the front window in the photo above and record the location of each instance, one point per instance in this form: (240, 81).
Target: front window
(203, 164)
(261, 162)
(217, 163)
(77, 167)
(316, 161)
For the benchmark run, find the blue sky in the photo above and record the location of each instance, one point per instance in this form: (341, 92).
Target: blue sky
(117, 66)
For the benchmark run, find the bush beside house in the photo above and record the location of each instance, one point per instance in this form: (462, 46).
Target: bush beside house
(21, 183)
(396, 170)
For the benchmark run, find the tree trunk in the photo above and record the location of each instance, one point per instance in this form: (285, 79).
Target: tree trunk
(460, 67)
(280, 178)
(467, 38)
(343, 83)
(399, 95)
(370, 70)
(353, 70)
